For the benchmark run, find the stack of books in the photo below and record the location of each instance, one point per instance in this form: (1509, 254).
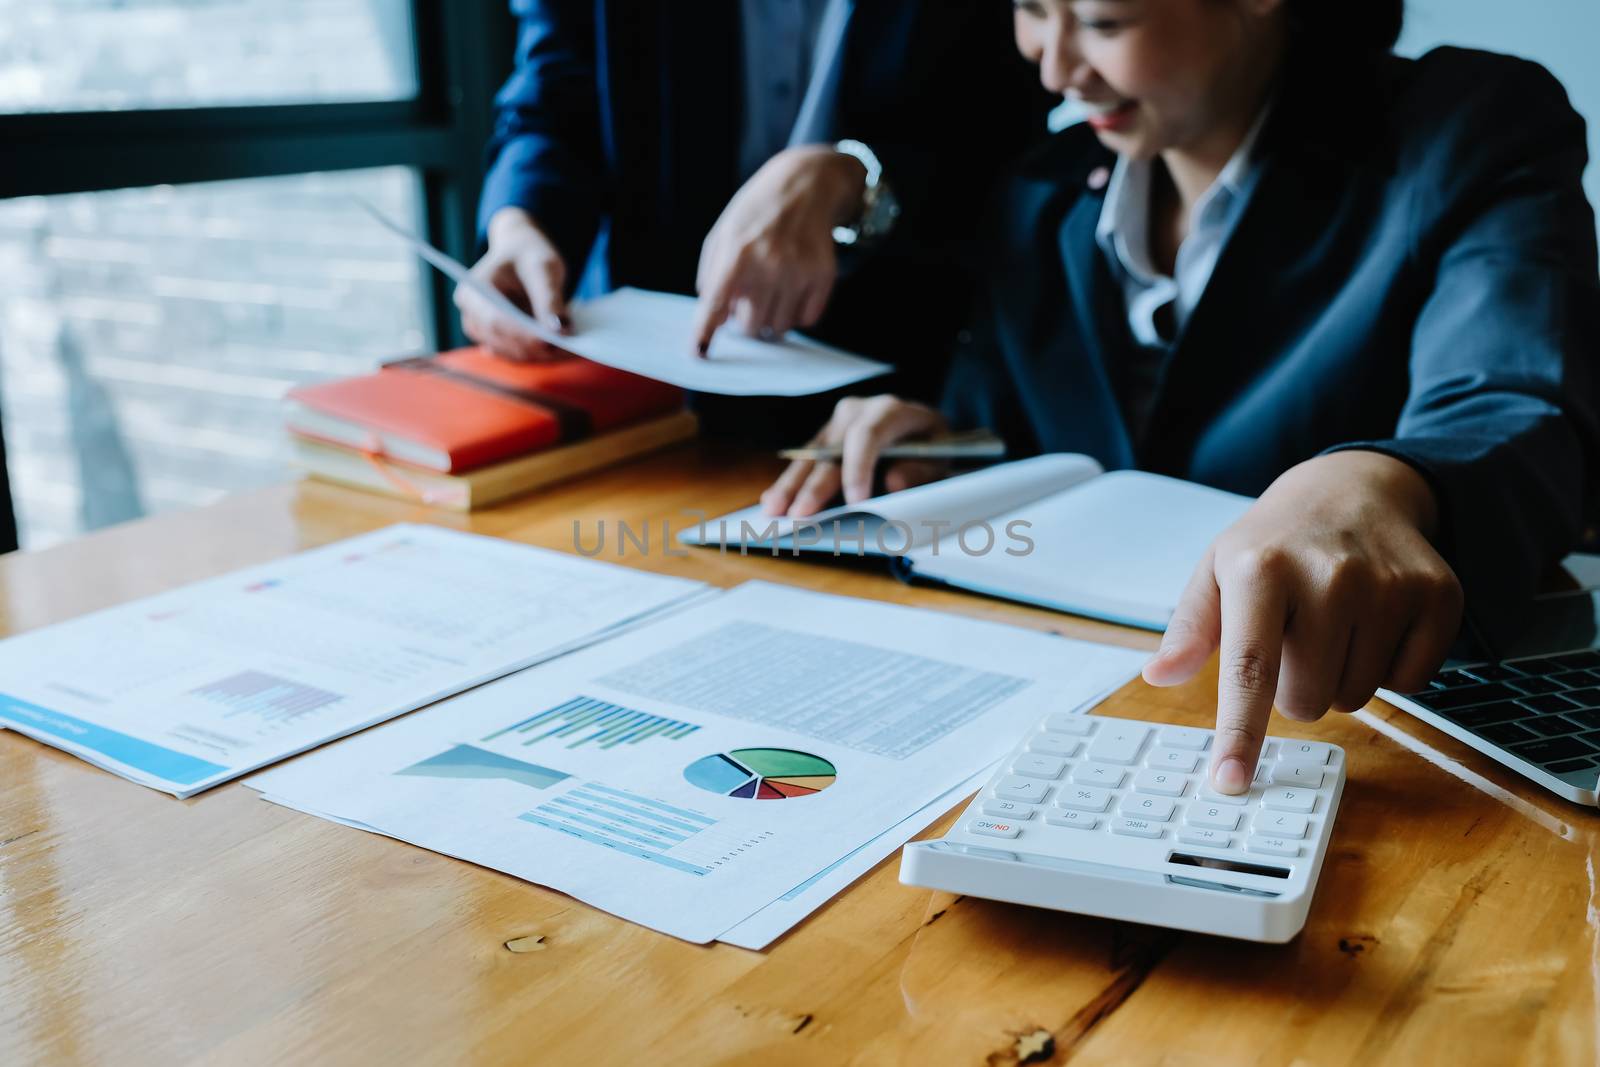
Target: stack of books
(465, 429)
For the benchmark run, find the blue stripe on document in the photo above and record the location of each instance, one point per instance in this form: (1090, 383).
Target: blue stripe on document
(153, 760)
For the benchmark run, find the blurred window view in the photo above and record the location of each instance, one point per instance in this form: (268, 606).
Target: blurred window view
(105, 55)
(147, 336)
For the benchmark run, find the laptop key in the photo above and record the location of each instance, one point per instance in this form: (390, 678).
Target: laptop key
(1553, 749)
(1573, 661)
(1552, 726)
(1589, 698)
(1535, 665)
(1589, 719)
(1535, 686)
(1466, 696)
(1452, 680)
(1493, 672)
(1484, 715)
(1506, 733)
(1549, 703)
(1567, 766)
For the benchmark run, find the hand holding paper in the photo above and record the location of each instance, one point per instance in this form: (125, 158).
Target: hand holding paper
(645, 333)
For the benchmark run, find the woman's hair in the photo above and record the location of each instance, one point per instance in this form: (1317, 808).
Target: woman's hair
(1362, 24)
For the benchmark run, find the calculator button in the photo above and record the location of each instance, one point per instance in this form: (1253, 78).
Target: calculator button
(1314, 752)
(1272, 846)
(1186, 737)
(1212, 816)
(990, 828)
(1173, 759)
(1157, 809)
(1051, 743)
(1078, 820)
(1211, 796)
(1016, 787)
(1209, 838)
(1084, 798)
(1007, 809)
(1163, 783)
(1101, 774)
(1036, 766)
(1282, 824)
(1297, 774)
(1076, 725)
(1119, 743)
(1284, 798)
(1135, 828)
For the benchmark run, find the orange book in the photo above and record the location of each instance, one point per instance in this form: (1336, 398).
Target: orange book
(466, 409)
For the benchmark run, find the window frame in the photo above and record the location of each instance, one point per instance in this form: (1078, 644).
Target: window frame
(463, 52)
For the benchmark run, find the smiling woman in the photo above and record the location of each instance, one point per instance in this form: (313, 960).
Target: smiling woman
(1280, 260)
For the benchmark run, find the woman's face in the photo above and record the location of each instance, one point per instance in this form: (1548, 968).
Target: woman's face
(1154, 75)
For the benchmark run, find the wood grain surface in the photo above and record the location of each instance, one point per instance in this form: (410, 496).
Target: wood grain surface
(1455, 923)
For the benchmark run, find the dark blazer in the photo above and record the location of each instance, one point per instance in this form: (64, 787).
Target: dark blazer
(619, 131)
(1415, 274)
(8, 515)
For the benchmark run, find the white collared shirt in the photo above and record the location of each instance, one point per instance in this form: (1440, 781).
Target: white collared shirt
(1124, 235)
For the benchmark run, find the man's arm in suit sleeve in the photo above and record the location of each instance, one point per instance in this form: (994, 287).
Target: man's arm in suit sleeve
(546, 154)
(1502, 416)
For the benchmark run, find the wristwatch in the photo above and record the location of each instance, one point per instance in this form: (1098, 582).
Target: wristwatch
(879, 208)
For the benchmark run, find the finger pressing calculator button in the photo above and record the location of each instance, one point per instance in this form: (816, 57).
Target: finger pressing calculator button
(1006, 809)
(1173, 759)
(1077, 820)
(1315, 752)
(1297, 774)
(1212, 816)
(1100, 774)
(1289, 798)
(1016, 787)
(992, 828)
(1084, 798)
(1282, 824)
(1272, 846)
(1162, 783)
(1076, 725)
(1119, 742)
(1209, 838)
(1051, 743)
(1186, 737)
(1156, 809)
(1135, 828)
(1034, 765)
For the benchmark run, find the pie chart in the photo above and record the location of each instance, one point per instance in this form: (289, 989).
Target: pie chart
(761, 773)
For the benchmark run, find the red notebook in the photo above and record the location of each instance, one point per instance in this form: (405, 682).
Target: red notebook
(465, 409)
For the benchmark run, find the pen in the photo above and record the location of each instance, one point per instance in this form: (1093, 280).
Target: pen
(976, 444)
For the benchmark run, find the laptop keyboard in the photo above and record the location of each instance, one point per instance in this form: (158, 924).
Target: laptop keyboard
(1542, 709)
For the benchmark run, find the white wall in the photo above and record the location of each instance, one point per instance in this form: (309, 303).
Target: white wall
(1564, 35)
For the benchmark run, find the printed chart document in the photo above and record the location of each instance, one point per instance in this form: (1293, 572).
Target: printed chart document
(651, 334)
(192, 687)
(695, 770)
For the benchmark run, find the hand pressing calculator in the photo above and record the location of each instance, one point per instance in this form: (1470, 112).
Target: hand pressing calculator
(1114, 818)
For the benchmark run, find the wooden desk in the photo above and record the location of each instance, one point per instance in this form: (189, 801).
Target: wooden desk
(1456, 921)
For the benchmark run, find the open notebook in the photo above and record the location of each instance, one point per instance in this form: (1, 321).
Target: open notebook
(1057, 531)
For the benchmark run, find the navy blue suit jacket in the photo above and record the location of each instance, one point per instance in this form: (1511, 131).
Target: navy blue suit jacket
(619, 132)
(1415, 274)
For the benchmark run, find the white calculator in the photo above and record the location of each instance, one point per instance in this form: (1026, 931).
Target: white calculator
(1113, 817)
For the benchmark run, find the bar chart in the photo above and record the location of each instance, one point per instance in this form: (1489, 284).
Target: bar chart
(584, 721)
(266, 696)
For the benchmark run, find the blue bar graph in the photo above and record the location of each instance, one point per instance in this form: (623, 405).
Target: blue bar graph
(585, 720)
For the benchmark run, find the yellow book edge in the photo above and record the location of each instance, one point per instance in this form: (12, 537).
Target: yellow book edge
(480, 488)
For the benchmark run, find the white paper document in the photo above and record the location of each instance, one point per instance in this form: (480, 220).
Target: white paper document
(692, 772)
(651, 334)
(192, 687)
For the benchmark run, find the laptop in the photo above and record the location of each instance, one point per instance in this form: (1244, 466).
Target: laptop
(1535, 707)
